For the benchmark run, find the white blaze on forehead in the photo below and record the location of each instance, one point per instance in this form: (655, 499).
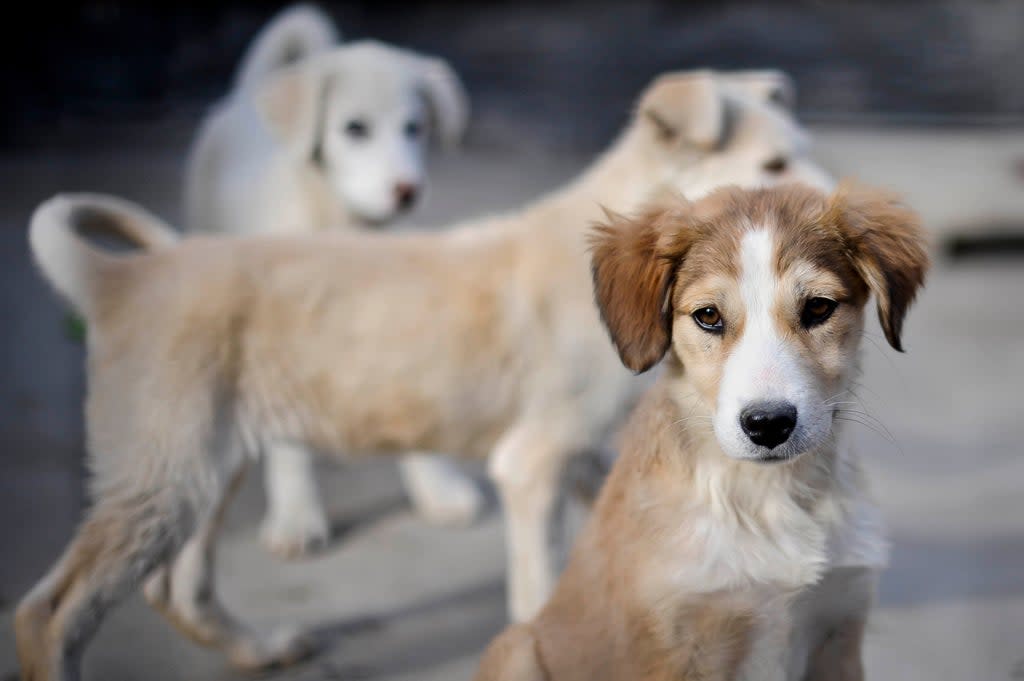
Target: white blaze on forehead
(757, 276)
(760, 367)
(759, 351)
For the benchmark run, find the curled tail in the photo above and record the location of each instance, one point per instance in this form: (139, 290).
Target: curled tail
(73, 265)
(294, 34)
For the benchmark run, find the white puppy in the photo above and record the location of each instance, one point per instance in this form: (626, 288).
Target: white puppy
(319, 135)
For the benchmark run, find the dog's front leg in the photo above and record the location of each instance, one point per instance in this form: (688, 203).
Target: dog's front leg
(833, 615)
(440, 492)
(527, 468)
(839, 656)
(296, 523)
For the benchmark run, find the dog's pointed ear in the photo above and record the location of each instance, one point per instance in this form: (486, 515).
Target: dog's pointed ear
(685, 107)
(766, 85)
(289, 104)
(634, 262)
(446, 97)
(887, 246)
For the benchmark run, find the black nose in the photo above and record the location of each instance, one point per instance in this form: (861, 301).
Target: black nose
(768, 424)
(405, 195)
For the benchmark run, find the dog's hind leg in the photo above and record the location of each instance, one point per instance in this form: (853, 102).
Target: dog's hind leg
(120, 541)
(440, 492)
(527, 467)
(296, 524)
(184, 591)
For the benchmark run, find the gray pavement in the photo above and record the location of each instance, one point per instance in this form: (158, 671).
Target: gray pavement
(396, 599)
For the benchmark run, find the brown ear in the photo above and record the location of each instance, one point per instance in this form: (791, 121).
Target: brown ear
(766, 85)
(887, 248)
(685, 106)
(634, 262)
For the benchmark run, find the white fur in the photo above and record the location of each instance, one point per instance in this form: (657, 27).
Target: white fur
(73, 261)
(296, 523)
(296, 33)
(250, 173)
(763, 367)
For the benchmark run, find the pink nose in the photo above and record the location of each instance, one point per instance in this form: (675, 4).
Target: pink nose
(405, 195)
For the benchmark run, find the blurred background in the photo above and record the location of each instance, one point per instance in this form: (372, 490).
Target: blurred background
(924, 97)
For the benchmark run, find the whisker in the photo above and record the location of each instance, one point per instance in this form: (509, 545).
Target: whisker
(873, 425)
(879, 347)
(865, 424)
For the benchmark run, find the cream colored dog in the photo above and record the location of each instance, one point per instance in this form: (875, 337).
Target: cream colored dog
(482, 341)
(734, 538)
(319, 135)
(297, 523)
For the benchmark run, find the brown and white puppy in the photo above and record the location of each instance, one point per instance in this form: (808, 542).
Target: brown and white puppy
(734, 538)
(480, 341)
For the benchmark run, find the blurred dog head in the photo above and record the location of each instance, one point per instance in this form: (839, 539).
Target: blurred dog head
(363, 113)
(759, 294)
(724, 128)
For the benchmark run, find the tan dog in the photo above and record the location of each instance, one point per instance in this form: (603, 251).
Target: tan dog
(734, 539)
(481, 341)
(322, 135)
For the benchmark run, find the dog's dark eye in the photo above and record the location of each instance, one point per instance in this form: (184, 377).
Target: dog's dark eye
(776, 165)
(357, 129)
(709, 319)
(413, 129)
(816, 311)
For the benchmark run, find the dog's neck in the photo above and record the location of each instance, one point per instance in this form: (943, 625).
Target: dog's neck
(629, 173)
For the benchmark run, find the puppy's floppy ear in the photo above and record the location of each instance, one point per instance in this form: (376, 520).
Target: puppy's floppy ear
(446, 97)
(768, 85)
(886, 245)
(289, 102)
(686, 107)
(634, 262)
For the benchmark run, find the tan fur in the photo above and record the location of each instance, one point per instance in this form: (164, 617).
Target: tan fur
(482, 341)
(274, 157)
(632, 274)
(694, 564)
(884, 237)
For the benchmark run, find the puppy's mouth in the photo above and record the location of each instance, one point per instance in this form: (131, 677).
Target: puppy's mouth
(773, 458)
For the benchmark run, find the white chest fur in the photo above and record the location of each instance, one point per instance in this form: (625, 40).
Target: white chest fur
(771, 555)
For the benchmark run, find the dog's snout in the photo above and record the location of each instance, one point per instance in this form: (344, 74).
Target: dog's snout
(405, 195)
(768, 424)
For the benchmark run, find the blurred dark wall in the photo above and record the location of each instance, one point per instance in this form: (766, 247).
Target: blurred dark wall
(70, 69)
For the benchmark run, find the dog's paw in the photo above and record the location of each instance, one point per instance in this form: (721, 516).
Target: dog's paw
(440, 491)
(281, 648)
(458, 503)
(295, 535)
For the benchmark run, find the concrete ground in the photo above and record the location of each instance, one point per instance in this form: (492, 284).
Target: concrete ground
(397, 599)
